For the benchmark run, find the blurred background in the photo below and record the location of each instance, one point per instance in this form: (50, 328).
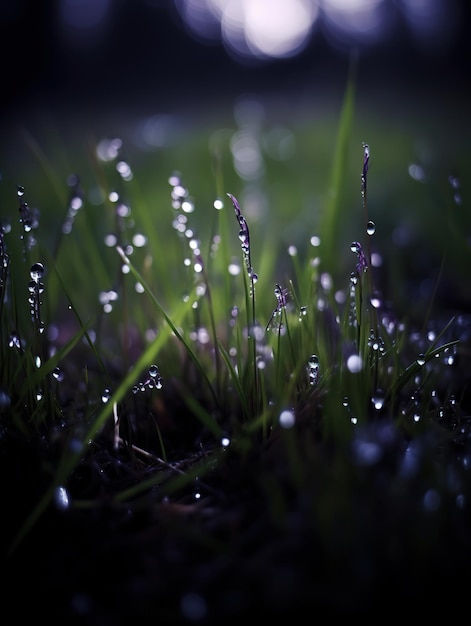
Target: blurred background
(192, 53)
(264, 81)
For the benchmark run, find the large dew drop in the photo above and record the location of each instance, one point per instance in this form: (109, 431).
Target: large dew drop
(37, 272)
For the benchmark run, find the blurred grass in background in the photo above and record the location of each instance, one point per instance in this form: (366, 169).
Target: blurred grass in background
(275, 153)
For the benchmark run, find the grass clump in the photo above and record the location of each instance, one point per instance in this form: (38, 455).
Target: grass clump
(276, 440)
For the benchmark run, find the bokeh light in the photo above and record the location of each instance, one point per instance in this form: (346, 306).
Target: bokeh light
(270, 29)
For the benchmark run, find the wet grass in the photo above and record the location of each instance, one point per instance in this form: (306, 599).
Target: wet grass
(241, 386)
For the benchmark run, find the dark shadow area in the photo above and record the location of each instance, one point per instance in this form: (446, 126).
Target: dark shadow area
(144, 57)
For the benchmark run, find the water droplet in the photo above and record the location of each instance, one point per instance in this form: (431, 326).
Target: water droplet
(153, 371)
(14, 341)
(421, 359)
(378, 400)
(375, 300)
(287, 419)
(58, 374)
(370, 228)
(313, 369)
(62, 498)
(354, 363)
(106, 395)
(354, 278)
(234, 269)
(37, 272)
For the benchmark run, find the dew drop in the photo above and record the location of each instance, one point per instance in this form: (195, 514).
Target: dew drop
(234, 269)
(376, 300)
(370, 228)
(106, 395)
(354, 363)
(287, 419)
(421, 359)
(58, 374)
(37, 272)
(110, 240)
(14, 341)
(62, 498)
(354, 278)
(378, 400)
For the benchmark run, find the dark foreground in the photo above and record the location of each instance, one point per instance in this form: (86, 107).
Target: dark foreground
(381, 532)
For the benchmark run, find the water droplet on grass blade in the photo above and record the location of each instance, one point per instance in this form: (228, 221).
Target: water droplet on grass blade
(58, 374)
(153, 371)
(370, 228)
(37, 272)
(421, 359)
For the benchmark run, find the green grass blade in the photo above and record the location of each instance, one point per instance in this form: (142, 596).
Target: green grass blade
(331, 216)
(169, 321)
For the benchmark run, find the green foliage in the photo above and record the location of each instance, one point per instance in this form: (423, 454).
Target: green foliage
(314, 339)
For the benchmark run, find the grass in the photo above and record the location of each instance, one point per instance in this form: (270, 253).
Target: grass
(178, 377)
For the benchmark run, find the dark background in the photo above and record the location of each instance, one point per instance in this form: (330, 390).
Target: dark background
(146, 53)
